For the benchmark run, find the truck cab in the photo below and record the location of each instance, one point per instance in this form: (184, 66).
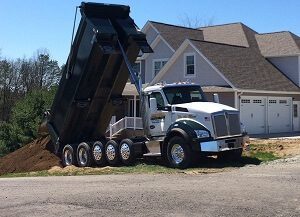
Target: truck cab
(181, 111)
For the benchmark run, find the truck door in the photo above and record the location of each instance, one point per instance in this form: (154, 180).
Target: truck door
(159, 121)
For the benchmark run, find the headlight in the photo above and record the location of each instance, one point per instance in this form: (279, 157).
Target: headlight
(201, 133)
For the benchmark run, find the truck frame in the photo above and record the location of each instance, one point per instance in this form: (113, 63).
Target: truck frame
(178, 122)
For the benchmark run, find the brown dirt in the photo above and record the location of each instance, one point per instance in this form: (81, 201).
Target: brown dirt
(280, 147)
(35, 156)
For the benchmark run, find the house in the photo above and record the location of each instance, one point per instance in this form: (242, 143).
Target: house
(259, 74)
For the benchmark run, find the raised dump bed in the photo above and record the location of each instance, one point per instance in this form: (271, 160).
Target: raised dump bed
(95, 74)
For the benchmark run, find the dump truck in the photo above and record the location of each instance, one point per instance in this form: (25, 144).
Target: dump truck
(179, 124)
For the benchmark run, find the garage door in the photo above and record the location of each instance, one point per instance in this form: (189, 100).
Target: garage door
(253, 114)
(279, 115)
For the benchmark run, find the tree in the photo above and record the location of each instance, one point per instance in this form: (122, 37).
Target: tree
(195, 22)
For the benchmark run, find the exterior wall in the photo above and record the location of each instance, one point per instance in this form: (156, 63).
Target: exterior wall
(289, 66)
(226, 98)
(161, 51)
(204, 73)
(150, 34)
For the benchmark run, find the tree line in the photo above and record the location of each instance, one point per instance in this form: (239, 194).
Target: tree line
(27, 88)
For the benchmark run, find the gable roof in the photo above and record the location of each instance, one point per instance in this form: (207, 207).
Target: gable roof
(278, 44)
(175, 35)
(245, 68)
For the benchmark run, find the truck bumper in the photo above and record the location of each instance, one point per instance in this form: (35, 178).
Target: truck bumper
(224, 144)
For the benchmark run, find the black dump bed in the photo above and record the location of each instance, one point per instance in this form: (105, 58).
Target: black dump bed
(95, 74)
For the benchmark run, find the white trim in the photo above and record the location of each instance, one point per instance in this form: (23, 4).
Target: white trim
(169, 63)
(147, 26)
(285, 55)
(299, 69)
(185, 75)
(236, 103)
(215, 68)
(155, 43)
(266, 91)
(153, 65)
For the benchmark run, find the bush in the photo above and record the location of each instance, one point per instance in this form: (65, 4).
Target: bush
(26, 116)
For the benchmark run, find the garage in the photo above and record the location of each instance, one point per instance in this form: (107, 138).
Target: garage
(266, 114)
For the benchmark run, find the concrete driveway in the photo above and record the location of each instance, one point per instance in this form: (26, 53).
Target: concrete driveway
(266, 190)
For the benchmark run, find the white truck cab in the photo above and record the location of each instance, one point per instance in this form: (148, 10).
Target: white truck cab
(178, 117)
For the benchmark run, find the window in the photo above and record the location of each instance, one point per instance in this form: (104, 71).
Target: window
(184, 94)
(189, 65)
(157, 65)
(295, 110)
(159, 100)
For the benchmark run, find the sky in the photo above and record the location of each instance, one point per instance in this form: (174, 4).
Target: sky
(29, 25)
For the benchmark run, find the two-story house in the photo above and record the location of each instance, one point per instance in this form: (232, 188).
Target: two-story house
(259, 74)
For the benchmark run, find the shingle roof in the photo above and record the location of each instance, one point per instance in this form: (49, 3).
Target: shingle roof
(278, 44)
(175, 35)
(245, 68)
(228, 34)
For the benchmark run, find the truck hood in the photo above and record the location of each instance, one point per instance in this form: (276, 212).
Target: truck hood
(205, 107)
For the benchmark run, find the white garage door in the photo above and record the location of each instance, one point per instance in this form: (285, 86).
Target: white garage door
(253, 114)
(266, 114)
(279, 114)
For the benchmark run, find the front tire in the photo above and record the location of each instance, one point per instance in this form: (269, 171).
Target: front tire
(84, 157)
(179, 153)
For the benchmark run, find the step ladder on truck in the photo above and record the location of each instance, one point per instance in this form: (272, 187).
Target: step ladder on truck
(178, 122)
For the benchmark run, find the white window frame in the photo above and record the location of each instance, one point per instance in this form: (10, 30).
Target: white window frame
(153, 65)
(185, 66)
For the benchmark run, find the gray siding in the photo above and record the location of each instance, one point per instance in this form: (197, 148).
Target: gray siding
(205, 74)
(161, 51)
(289, 66)
(150, 34)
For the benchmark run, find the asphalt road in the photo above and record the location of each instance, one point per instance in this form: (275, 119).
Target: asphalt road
(269, 190)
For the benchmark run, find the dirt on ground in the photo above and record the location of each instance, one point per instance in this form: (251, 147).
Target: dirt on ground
(280, 147)
(34, 156)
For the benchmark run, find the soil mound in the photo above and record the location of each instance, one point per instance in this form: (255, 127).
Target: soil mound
(34, 156)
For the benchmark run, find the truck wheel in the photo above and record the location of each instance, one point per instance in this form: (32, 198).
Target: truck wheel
(127, 153)
(112, 153)
(178, 153)
(68, 156)
(98, 153)
(84, 157)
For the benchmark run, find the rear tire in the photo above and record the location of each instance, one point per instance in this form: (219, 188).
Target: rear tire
(84, 157)
(112, 153)
(179, 153)
(68, 156)
(98, 153)
(126, 150)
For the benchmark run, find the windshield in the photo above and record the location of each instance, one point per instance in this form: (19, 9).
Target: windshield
(184, 94)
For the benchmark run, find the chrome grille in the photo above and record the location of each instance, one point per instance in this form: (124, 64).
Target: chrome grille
(226, 124)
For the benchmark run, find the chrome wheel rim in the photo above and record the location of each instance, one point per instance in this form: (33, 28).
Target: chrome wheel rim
(177, 153)
(125, 151)
(97, 152)
(82, 156)
(110, 152)
(68, 157)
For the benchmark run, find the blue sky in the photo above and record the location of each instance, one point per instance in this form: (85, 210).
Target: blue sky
(28, 25)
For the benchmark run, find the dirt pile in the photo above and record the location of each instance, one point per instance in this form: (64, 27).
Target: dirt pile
(34, 156)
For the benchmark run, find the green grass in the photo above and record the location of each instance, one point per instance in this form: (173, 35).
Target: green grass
(263, 156)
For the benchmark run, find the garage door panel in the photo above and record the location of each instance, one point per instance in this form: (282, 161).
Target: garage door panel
(253, 114)
(279, 114)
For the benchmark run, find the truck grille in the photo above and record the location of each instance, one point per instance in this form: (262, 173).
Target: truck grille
(226, 124)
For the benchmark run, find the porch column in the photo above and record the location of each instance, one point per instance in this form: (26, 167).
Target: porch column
(134, 112)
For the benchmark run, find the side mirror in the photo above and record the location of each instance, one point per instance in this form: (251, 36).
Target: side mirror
(216, 98)
(153, 105)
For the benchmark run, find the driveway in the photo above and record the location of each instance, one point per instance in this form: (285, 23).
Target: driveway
(265, 190)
